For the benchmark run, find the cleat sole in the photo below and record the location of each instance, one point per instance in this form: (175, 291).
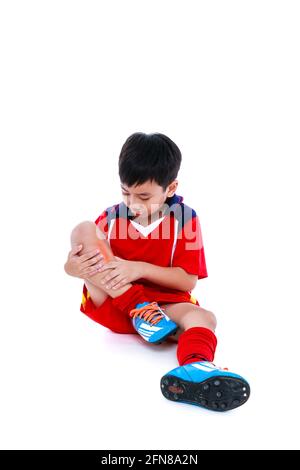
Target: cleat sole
(217, 393)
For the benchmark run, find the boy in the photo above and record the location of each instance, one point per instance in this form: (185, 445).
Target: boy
(141, 259)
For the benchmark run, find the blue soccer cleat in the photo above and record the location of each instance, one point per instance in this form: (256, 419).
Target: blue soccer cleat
(152, 323)
(204, 384)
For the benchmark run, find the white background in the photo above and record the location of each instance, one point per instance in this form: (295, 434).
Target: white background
(221, 79)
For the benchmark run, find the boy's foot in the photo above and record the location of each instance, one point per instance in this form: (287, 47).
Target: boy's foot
(204, 384)
(152, 323)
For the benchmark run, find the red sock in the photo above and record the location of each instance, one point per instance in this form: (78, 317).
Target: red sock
(196, 344)
(133, 296)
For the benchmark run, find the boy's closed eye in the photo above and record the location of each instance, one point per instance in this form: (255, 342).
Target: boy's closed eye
(142, 198)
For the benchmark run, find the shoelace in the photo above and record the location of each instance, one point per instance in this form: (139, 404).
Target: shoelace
(148, 312)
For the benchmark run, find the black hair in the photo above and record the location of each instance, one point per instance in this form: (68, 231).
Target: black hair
(146, 157)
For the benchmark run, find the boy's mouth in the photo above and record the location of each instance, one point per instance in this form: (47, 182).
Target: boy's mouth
(136, 211)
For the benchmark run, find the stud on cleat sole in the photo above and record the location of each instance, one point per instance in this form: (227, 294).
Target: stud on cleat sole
(231, 392)
(175, 388)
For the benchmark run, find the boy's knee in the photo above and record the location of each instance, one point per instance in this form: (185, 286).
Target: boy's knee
(84, 228)
(85, 232)
(199, 316)
(212, 319)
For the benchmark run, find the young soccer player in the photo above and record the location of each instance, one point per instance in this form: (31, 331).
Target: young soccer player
(140, 261)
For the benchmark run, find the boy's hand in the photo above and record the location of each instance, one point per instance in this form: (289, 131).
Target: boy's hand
(121, 272)
(82, 265)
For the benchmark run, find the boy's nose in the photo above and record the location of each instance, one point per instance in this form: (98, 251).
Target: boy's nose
(136, 208)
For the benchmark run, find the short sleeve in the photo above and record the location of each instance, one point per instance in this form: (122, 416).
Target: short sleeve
(189, 250)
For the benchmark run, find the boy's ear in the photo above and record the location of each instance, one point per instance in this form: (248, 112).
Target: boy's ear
(172, 188)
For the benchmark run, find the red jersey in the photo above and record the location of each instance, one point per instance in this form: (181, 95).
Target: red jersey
(175, 240)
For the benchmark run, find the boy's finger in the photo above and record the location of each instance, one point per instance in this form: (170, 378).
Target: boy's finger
(89, 255)
(76, 249)
(93, 261)
(110, 265)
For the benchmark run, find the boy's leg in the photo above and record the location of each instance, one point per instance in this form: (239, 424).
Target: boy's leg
(114, 317)
(197, 380)
(98, 295)
(91, 237)
(188, 315)
(127, 297)
(196, 338)
(147, 317)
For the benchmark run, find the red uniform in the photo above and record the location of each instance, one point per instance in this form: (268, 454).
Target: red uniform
(174, 240)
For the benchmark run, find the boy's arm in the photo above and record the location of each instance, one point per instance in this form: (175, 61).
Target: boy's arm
(174, 278)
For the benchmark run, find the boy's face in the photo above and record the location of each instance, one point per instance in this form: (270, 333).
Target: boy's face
(146, 199)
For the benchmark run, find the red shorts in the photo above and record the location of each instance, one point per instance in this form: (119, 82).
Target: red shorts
(119, 322)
